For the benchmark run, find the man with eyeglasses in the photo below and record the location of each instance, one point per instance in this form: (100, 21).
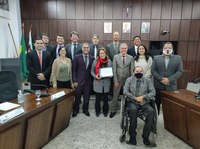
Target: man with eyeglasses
(82, 79)
(166, 69)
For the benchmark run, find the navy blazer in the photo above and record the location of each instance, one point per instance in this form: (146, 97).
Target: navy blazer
(68, 49)
(80, 74)
(92, 49)
(131, 51)
(33, 65)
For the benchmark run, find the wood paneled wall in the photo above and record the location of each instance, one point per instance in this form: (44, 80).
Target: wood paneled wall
(182, 17)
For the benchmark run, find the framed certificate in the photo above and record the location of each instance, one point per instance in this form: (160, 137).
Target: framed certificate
(105, 72)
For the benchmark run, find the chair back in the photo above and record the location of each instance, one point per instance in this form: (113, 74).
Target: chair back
(8, 86)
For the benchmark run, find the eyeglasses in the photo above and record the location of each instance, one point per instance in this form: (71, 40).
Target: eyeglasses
(85, 47)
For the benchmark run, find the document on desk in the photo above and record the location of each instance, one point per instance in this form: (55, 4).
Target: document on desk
(8, 106)
(10, 115)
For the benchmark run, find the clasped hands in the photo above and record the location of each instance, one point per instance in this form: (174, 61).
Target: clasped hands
(41, 76)
(138, 99)
(165, 81)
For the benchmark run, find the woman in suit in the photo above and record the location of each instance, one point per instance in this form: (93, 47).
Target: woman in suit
(143, 60)
(101, 86)
(62, 70)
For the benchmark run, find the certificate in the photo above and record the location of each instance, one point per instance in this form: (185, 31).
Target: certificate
(105, 72)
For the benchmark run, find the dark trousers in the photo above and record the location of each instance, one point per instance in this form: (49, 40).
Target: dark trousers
(104, 98)
(158, 100)
(64, 84)
(85, 90)
(133, 109)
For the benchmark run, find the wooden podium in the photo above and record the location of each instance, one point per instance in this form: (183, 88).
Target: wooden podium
(39, 123)
(181, 112)
(183, 80)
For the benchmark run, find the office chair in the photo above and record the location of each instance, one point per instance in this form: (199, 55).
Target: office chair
(8, 86)
(141, 115)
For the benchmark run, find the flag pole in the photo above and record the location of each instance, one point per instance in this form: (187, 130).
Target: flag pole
(13, 39)
(22, 28)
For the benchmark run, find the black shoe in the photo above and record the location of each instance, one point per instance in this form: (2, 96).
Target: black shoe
(112, 114)
(97, 114)
(105, 114)
(74, 114)
(148, 143)
(132, 141)
(87, 113)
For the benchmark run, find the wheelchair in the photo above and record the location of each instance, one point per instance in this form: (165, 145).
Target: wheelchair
(141, 115)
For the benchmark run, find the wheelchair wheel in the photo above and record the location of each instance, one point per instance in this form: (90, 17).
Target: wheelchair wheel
(122, 137)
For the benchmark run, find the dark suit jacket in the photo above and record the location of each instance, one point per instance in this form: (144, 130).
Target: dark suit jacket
(111, 50)
(80, 74)
(173, 72)
(49, 48)
(78, 50)
(131, 51)
(92, 49)
(34, 67)
(53, 52)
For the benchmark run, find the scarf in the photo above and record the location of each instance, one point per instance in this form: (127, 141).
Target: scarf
(100, 62)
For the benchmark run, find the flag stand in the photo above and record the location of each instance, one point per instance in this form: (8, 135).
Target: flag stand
(13, 39)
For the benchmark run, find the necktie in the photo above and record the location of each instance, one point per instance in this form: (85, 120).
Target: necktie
(40, 57)
(95, 52)
(116, 48)
(137, 87)
(74, 50)
(57, 54)
(123, 60)
(86, 61)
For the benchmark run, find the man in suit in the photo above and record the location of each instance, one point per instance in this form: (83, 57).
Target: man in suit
(166, 69)
(113, 47)
(136, 42)
(60, 43)
(74, 47)
(95, 45)
(39, 65)
(45, 39)
(82, 79)
(122, 69)
(139, 92)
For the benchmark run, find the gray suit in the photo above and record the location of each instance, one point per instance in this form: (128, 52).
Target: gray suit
(111, 50)
(172, 72)
(121, 73)
(100, 85)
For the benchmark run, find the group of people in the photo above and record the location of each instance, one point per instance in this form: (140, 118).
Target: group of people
(78, 66)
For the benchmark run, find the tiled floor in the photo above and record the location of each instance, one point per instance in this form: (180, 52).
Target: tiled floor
(103, 133)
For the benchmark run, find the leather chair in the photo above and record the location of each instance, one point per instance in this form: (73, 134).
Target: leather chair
(8, 86)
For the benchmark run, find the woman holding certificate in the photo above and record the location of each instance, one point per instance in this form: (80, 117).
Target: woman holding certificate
(101, 71)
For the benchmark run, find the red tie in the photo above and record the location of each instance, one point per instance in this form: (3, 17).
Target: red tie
(123, 59)
(40, 57)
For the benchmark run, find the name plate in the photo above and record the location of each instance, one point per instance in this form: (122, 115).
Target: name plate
(57, 95)
(8, 116)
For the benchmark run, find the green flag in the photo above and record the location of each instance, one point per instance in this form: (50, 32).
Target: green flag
(24, 70)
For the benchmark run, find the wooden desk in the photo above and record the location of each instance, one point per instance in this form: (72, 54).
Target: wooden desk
(182, 115)
(39, 123)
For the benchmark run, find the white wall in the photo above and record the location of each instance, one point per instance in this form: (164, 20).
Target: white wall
(13, 17)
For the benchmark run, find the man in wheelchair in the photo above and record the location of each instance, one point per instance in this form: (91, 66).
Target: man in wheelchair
(139, 91)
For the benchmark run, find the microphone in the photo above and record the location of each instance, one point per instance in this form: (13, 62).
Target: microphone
(39, 86)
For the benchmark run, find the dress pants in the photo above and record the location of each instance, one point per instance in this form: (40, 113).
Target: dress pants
(133, 109)
(158, 100)
(85, 90)
(101, 97)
